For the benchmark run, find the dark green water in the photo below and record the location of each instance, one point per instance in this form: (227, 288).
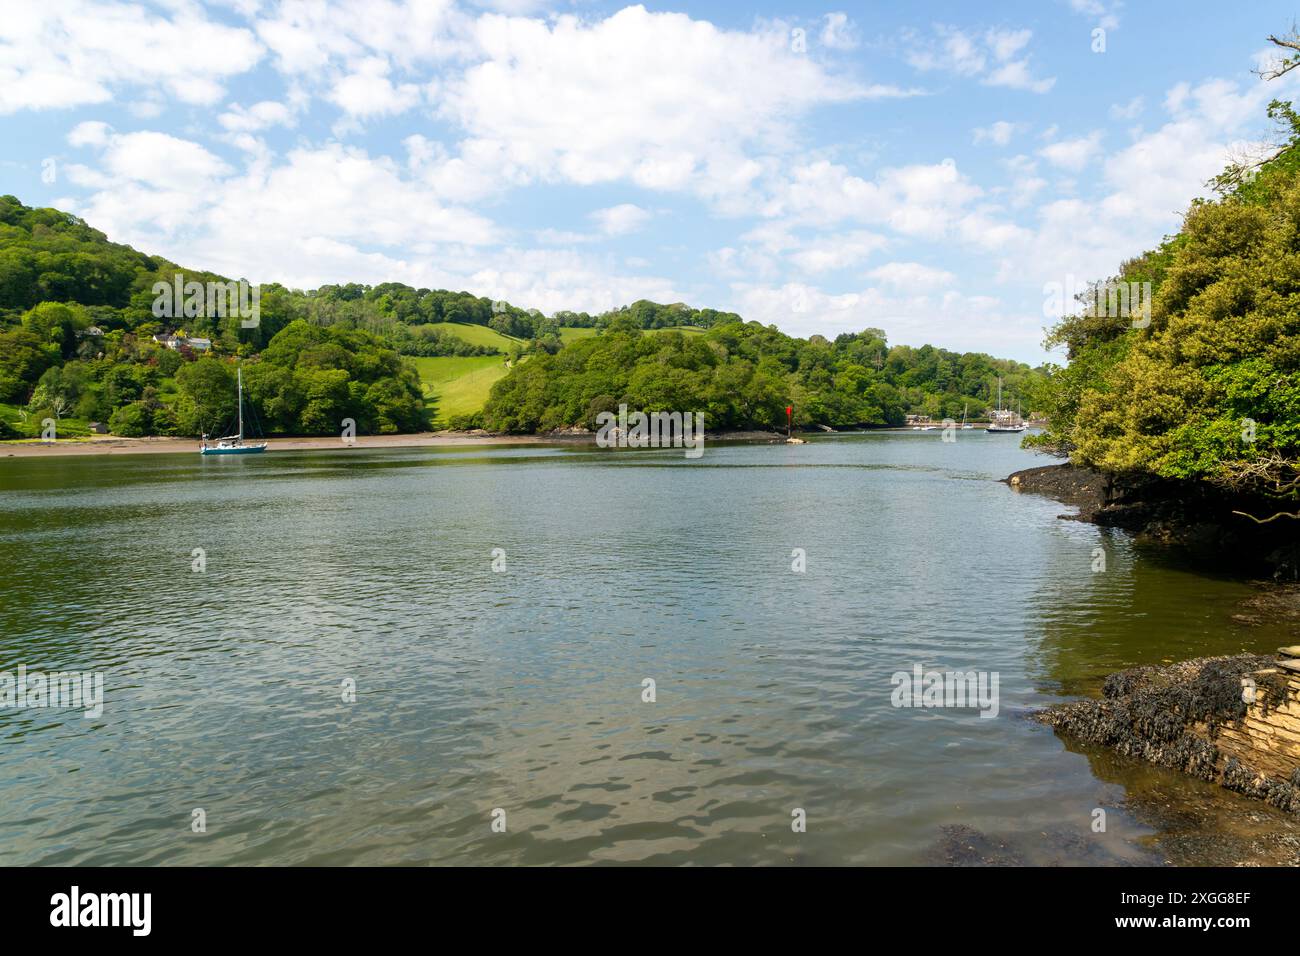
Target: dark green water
(522, 690)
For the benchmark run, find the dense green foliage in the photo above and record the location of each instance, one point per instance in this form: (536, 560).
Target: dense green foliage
(306, 381)
(50, 256)
(77, 344)
(743, 375)
(1210, 390)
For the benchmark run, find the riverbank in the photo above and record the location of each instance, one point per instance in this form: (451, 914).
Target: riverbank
(1233, 721)
(111, 445)
(1209, 524)
(114, 445)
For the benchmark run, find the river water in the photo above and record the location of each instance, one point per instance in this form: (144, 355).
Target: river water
(515, 695)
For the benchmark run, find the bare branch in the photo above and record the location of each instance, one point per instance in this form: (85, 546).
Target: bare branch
(1272, 474)
(1280, 514)
(1291, 41)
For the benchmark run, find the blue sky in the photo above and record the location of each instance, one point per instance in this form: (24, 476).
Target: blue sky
(925, 168)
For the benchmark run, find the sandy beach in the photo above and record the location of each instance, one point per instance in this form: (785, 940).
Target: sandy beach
(110, 445)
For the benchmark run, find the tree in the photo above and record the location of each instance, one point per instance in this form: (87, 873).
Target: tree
(24, 357)
(1210, 390)
(131, 421)
(207, 400)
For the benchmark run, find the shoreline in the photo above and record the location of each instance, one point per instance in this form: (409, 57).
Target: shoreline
(1209, 524)
(117, 445)
(114, 445)
(1229, 720)
(110, 445)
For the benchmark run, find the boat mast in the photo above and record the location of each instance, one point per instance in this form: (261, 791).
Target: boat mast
(239, 375)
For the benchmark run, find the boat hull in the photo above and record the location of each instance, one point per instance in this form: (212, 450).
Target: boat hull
(238, 450)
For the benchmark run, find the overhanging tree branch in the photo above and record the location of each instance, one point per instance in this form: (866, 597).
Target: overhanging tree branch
(1289, 41)
(1280, 514)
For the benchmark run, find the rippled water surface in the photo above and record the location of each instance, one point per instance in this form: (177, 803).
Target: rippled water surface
(522, 690)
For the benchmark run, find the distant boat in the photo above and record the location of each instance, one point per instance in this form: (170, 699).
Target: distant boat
(965, 424)
(1005, 421)
(233, 444)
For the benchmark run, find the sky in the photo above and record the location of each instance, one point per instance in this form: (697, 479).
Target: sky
(930, 169)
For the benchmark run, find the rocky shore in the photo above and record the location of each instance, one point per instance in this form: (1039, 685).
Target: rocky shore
(1209, 523)
(1234, 721)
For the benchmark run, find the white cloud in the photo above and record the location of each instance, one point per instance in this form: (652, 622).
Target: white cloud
(308, 36)
(1016, 75)
(911, 275)
(157, 160)
(1148, 185)
(1073, 154)
(570, 100)
(1007, 43)
(989, 232)
(271, 219)
(367, 91)
(1026, 183)
(998, 133)
(949, 318)
(829, 253)
(89, 133)
(839, 32)
(1128, 111)
(955, 51)
(64, 53)
(257, 117)
(987, 57)
(923, 201)
(1107, 16)
(621, 219)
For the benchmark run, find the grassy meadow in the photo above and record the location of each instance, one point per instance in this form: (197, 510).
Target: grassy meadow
(459, 385)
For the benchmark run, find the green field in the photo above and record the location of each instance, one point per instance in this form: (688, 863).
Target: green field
(482, 335)
(478, 335)
(569, 333)
(458, 384)
(67, 427)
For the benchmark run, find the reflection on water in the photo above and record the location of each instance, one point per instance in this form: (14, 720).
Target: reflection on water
(522, 690)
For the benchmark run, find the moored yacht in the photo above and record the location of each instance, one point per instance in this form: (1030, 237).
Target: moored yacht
(233, 444)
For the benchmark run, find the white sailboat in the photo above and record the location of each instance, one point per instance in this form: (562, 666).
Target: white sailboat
(1005, 421)
(233, 444)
